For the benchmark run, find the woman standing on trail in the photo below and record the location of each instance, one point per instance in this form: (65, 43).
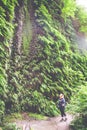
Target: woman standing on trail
(61, 105)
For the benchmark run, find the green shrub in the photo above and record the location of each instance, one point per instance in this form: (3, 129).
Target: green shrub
(36, 102)
(81, 17)
(78, 105)
(11, 126)
(68, 8)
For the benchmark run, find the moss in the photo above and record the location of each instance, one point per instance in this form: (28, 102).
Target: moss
(12, 117)
(27, 31)
(37, 116)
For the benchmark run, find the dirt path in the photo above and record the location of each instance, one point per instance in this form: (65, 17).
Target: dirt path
(49, 124)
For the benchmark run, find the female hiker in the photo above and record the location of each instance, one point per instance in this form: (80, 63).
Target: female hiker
(61, 105)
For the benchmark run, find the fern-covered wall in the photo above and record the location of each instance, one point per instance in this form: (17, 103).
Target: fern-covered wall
(39, 56)
(6, 33)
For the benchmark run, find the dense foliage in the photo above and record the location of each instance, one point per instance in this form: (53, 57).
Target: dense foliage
(82, 18)
(48, 62)
(79, 107)
(6, 31)
(78, 101)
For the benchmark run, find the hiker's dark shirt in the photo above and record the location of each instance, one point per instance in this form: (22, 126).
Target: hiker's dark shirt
(61, 103)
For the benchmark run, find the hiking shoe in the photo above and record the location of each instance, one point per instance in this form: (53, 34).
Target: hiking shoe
(65, 119)
(61, 119)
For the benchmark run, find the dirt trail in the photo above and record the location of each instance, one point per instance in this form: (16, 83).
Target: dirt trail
(49, 124)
